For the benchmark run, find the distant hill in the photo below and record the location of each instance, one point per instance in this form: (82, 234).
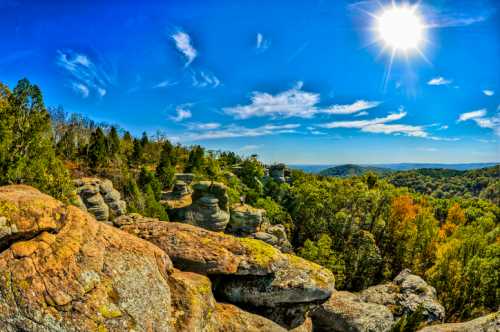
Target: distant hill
(352, 170)
(311, 168)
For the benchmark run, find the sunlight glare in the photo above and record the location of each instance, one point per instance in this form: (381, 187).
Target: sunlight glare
(400, 28)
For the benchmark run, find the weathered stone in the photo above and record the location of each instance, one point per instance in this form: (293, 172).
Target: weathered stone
(345, 311)
(404, 295)
(99, 198)
(133, 218)
(86, 276)
(198, 250)
(185, 177)
(277, 172)
(244, 220)
(489, 323)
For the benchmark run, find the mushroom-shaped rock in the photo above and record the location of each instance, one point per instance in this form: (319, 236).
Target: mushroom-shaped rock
(345, 311)
(64, 271)
(245, 220)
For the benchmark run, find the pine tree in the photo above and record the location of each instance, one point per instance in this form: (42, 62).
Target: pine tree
(97, 150)
(27, 152)
(113, 142)
(166, 169)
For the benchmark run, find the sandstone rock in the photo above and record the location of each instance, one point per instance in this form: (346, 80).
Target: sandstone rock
(198, 250)
(307, 326)
(206, 213)
(246, 271)
(100, 198)
(185, 177)
(86, 276)
(489, 323)
(133, 218)
(229, 318)
(277, 172)
(345, 311)
(300, 281)
(244, 220)
(404, 295)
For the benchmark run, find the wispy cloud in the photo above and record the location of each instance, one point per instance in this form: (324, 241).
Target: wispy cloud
(488, 93)
(86, 75)
(381, 126)
(426, 149)
(249, 147)
(480, 118)
(184, 45)
(202, 79)
(472, 115)
(439, 81)
(292, 103)
(233, 131)
(82, 89)
(361, 113)
(182, 112)
(203, 126)
(164, 84)
(262, 44)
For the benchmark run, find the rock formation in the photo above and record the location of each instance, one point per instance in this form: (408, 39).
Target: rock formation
(489, 323)
(379, 307)
(61, 270)
(99, 198)
(246, 272)
(277, 172)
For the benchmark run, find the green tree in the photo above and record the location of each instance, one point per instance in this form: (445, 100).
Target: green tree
(27, 151)
(113, 142)
(97, 152)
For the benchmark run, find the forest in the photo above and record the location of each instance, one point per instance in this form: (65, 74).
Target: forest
(443, 225)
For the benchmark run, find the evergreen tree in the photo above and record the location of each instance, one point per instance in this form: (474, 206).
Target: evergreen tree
(113, 142)
(27, 152)
(137, 153)
(166, 169)
(97, 150)
(195, 159)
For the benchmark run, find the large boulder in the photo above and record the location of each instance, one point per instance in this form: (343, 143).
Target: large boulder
(345, 311)
(245, 220)
(63, 271)
(405, 295)
(99, 198)
(246, 272)
(489, 323)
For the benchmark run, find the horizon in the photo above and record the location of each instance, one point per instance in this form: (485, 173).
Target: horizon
(293, 82)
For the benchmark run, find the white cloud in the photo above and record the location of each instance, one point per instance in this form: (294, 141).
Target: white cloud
(443, 127)
(262, 44)
(164, 84)
(202, 79)
(203, 126)
(439, 81)
(86, 75)
(184, 45)
(182, 113)
(488, 93)
(292, 103)
(379, 125)
(428, 149)
(81, 89)
(233, 131)
(472, 115)
(361, 113)
(250, 147)
(479, 117)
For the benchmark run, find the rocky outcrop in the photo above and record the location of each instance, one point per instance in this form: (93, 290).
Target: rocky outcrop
(404, 295)
(185, 177)
(99, 198)
(277, 172)
(379, 307)
(345, 311)
(207, 206)
(61, 270)
(489, 323)
(247, 221)
(246, 272)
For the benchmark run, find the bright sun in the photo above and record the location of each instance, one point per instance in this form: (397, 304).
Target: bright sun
(400, 28)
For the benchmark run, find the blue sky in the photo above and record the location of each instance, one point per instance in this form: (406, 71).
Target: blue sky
(292, 81)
